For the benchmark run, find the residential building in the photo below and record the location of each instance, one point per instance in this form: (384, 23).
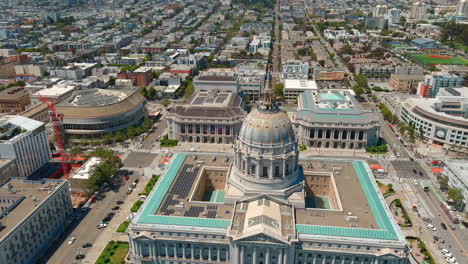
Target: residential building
(67, 73)
(295, 69)
(263, 203)
(374, 70)
(376, 22)
(393, 16)
(212, 81)
(30, 69)
(442, 120)
(457, 173)
(334, 119)
(380, 10)
(294, 87)
(25, 140)
(140, 79)
(256, 27)
(418, 11)
(14, 100)
(325, 74)
(209, 117)
(34, 214)
(251, 80)
(7, 70)
(405, 82)
(431, 85)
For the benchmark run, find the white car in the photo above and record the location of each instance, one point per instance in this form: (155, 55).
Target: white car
(445, 251)
(416, 182)
(451, 260)
(432, 227)
(448, 255)
(72, 239)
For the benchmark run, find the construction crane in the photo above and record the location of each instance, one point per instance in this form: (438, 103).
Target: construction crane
(57, 118)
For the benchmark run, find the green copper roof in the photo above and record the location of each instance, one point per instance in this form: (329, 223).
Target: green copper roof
(385, 231)
(331, 96)
(157, 196)
(337, 115)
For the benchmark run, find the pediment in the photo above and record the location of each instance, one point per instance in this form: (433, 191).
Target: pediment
(264, 238)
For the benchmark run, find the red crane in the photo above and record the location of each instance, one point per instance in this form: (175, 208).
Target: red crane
(57, 118)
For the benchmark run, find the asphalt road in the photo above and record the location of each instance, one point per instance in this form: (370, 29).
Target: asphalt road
(456, 241)
(85, 231)
(158, 128)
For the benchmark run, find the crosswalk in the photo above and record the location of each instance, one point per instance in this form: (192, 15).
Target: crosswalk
(423, 182)
(403, 159)
(134, 169)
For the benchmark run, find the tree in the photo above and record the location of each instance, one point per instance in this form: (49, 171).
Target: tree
(456, 195)
(152, 93)
(107, 139)
(279, 90)
(358, 90)
(189, 89)
(443, 182)
(147, 124)
(144, 92)
(131, 132)
(322, 63)
(165, 103)
(421, 133)
(119, 136)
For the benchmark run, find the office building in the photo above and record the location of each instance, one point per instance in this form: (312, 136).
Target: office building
(14, 100)
(138, 78)
(26, 141)
(431, 85)
(8, 169)
(462, 8)
(457, 173)
(33, 215)
(264, 204)
(324, 74)
(251, 80)
(405, 82)
(295, 69)
(333, 119)
(209, 117)
(294, 87)
(442, 120)
(216, 80)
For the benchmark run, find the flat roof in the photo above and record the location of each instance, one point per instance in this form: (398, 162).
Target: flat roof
(83, 172)
(21, 194)
(459, 168)
(168, 202)
(14, 92)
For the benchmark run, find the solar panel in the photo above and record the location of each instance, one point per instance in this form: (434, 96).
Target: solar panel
(199, 100)
(211, 214)
(221, 99)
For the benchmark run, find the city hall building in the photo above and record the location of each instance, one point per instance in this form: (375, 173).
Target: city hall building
(263, 204)
(333, 119)
(209, 117)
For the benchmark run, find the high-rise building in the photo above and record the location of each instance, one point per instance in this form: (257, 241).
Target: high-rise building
(418, 11)
(462, 8)
(393, 16)
(34, 214)
(380, 10)
(26, 141)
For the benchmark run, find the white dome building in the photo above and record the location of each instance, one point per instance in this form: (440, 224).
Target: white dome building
(266, 158)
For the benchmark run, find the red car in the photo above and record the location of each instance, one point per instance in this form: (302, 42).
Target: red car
(126, 178)
(93, 198)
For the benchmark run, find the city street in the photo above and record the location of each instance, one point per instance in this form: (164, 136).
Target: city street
(86, 231)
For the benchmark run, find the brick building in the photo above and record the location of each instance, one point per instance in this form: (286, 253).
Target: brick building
(14, 100)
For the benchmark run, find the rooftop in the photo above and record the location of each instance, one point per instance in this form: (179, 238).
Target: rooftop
(14, 92)
(83, 171)
(177, 200)
(460, 168)
(21, 197)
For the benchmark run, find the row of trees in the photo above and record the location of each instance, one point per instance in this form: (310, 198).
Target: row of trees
(454, 194)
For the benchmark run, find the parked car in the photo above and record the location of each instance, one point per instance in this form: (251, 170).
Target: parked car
(87, 245)
(126, 177)
(120, 202)
(433, 228)
(79, 256)
(129, 190)
(116, 208)
(444, 226)
(72, 240)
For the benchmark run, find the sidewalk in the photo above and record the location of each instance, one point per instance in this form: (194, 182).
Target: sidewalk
(109, 232)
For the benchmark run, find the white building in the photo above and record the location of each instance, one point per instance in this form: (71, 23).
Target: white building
(26, 141)
(216, 81)
(443, 120)
(33, 215)
(57, 92)
(251, 80)
(83, 173)
(295, 69)
(462, 8)
(294, 87)
(67, 73)
(418, 11)
(457, 172)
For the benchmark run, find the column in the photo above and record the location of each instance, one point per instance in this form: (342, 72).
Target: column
(284, 169)
(218, 253)
(183, 250)
(376, 261)
(192, 251)
(157, 251)
(324, 258)
(333, 259)
(201, 252)
(315, 259)
(175, 250)
(209, 253)
(280, 256)
(166, 249)
(254, 255)
(241, 255)
(267, 256)
(285, 256)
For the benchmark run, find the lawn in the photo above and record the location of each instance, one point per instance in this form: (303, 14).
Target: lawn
(136, 206)
(431, 59)
(150, 185)
(114, 252)
(123, 227)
